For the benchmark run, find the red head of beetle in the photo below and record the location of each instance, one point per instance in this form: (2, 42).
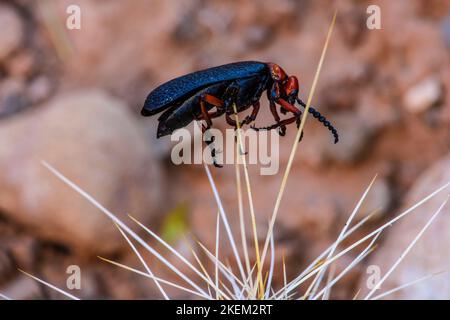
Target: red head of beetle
(277, 73)
(288, 85)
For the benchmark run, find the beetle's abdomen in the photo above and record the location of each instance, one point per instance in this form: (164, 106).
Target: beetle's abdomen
(189, 110)
(250, 91)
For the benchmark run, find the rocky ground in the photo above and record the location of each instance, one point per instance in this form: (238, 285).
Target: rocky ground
(72, 98)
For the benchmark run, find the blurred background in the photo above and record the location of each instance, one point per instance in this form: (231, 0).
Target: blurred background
(72, 98)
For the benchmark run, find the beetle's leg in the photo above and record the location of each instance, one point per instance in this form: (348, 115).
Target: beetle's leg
(289, 107)
(212, 100)
(216, 102)
(283, 123)
(272, 95)
(298, 121)
(231, 121)
(252, 117)
(205, 114)
(211, 115)
(207, 117)
(283, 111)
(279, 124)
(286, 106)
(273, 110)
(208, 143)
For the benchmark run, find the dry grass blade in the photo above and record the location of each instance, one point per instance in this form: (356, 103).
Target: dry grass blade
(202, 267)
(407, 250)
(319, 260)
(356, 294)
(207, 279)
(271, 268)
(68, 295)
(317, 281)
(143, 262)
(4, 297)
(357, 260)
(56, 29)
(295, 144)
(300, 280)
(406, 285)
(231, 294)
(330, 277)
(315, 263)
(252, 209)
(169, 283)
(234, 283)
(225, 222)
(241, 213)
(284, 275)
(216, 264)
(248, 281)
(122, 225)
(232, 278)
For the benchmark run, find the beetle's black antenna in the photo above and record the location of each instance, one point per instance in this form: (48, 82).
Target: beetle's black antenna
(316, 114)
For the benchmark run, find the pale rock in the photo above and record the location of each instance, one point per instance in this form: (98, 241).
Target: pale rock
(92, 139)
(40, 89)
(423, 95)
(430, 255)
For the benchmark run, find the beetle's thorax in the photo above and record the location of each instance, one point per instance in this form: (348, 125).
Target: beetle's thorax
(250, 91)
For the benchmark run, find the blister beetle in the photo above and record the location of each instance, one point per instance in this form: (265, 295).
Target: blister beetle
(195, 95)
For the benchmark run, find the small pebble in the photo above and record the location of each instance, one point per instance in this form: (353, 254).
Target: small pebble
(20, 65)
(423, 95)
(12, 97)
(39, 89)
